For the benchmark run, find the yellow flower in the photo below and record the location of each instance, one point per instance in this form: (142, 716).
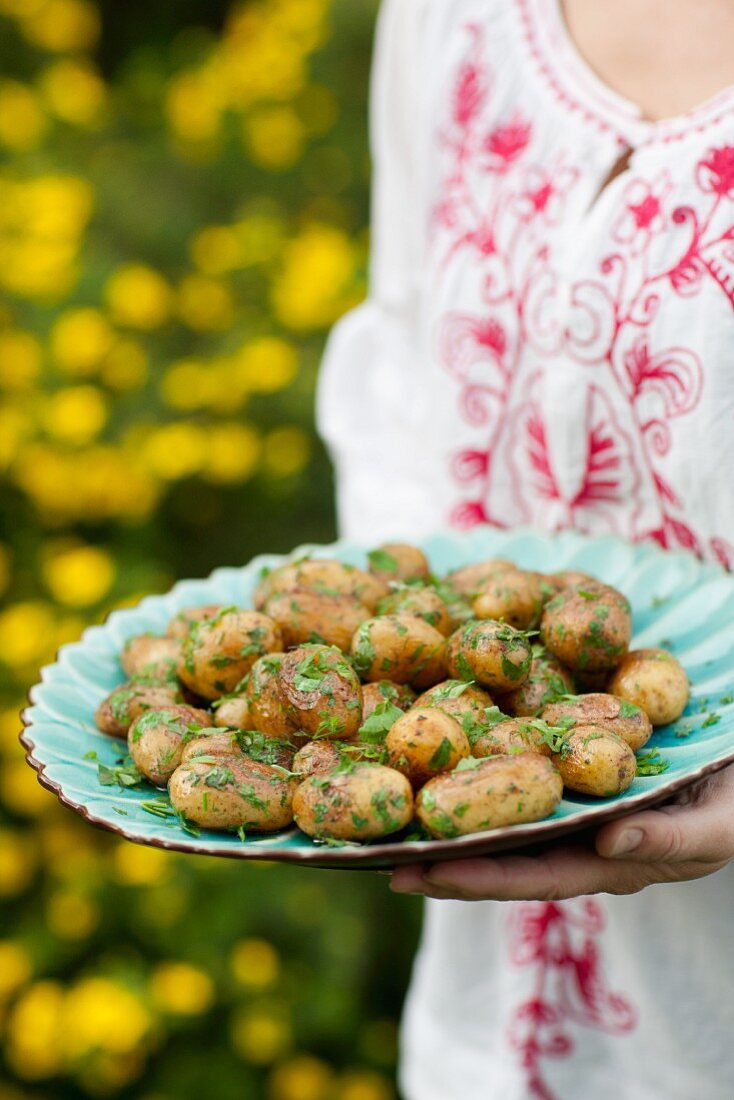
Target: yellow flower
(16, 426)
(181, 989)
(274, 137)
(194, 106)
(302, 1078)
(41, 223)
(62, 26)
(260, 237)
(176, 451)
(302, 20)
(15, 968)
(71, 915)
(315, 284)
(139, 865)
(80, 339)
(364, 1085)
(139, 297)
(99, 483)
(185, 385)
(99, 1014)
(20, 790)
(20, 359)
(267, 365)
(22, 122)
(205, 305)
(255, 963)
(74, 91)
(256, 60)
(24, 632)
(260, 1036)
(78, 576)
(75, 415)
(17, 862)
(125, 367)
(234, 453)
(287, 451)
(33, 1031)
(215, 250)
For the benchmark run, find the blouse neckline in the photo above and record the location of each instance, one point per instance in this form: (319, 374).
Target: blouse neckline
(575, 83)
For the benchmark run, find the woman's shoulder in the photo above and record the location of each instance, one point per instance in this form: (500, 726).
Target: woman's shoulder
(411, 16)
(420, 31)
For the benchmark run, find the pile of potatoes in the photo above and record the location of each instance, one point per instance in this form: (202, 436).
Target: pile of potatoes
(356, 701)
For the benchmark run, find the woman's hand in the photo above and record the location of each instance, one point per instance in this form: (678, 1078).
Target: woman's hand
(690, 837)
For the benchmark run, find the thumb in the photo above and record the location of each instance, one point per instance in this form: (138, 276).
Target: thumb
(677, 834)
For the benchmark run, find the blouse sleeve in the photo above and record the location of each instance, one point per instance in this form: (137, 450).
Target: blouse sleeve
(368, 382)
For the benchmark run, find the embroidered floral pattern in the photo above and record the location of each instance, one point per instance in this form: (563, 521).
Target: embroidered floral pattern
(500, 218)
(560, 943)
(502, 214)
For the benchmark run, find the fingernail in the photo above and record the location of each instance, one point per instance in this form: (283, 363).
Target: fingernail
(627, 842)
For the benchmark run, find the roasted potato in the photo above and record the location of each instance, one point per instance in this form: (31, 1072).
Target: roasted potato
(398, 561)
(385, 691)
(365, 802)
(465, 702)
(487, 794)
(424, 743)
(268, 711)
(420, 600)
(587, 627)
(207, 742)
(233, 712)
(249, 743)
(322, 756)
(547, 681)
(627, 720)
(332, 578)
(322, 692)
(306, 615)
(568, 578)
(178, 626)
(218, 652)
(595, 760)
(513, 596)
(233, 792)
(654, 680)
(469, 579)
(403, 648)
(156, 740)
(122, 706)
(150, 655)
(494, 654)
(503, 736)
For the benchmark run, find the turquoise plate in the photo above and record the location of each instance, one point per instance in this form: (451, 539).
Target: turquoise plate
(677, 601)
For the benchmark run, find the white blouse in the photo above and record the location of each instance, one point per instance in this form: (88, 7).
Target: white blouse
(546, 342)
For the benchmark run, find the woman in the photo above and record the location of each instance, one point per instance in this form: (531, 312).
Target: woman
(547, 342)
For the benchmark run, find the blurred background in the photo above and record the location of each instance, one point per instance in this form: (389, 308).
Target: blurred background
(183, 212)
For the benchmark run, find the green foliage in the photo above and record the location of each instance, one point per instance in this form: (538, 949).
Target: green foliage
(183, 210)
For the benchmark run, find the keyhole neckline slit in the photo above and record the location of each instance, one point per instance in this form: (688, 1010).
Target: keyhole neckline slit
(583, 91)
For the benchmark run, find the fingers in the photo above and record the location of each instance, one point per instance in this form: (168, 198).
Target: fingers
(560, 873)
(701, 831)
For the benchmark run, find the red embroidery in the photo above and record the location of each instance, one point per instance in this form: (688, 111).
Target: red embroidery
(559, 942)
(497, 220)
(522, 325)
